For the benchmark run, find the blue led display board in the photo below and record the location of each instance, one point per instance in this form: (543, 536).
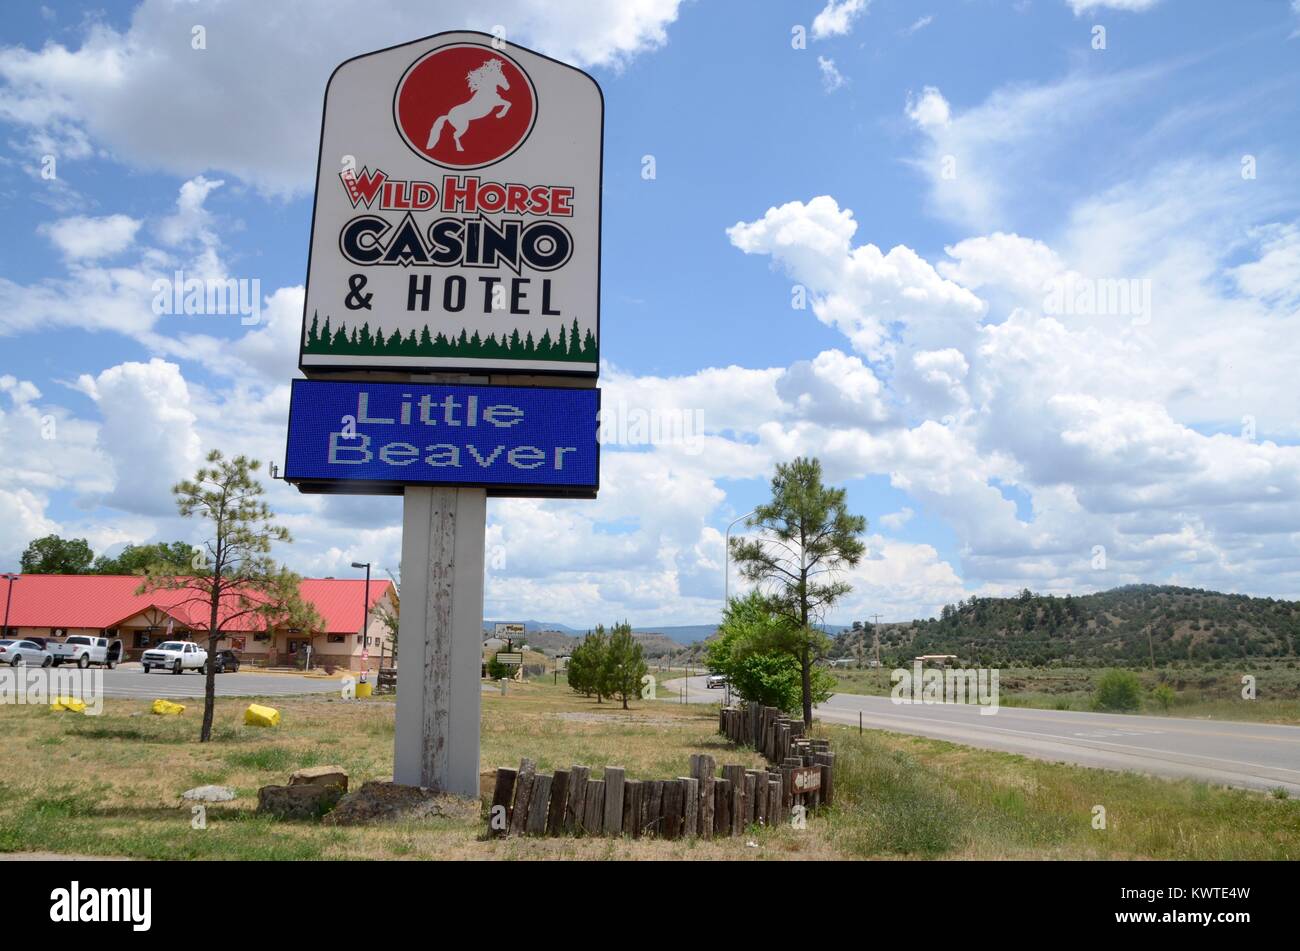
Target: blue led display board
(375, 438)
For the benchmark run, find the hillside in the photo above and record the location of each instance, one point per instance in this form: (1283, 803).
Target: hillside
(1123, 625)
(553, 643)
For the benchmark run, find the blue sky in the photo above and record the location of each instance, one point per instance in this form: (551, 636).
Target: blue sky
(926, 172)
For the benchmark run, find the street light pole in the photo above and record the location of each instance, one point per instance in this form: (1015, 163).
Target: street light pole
(726, 561)
(8, 599)
(365, 617)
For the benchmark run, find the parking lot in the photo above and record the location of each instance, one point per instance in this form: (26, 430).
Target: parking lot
(130, 681)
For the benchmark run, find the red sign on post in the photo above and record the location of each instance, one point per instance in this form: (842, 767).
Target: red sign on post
(806, 779)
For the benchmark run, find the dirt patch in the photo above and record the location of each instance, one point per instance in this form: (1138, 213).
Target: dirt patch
(584, 717)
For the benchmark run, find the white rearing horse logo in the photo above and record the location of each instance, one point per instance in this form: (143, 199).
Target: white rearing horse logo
(483, 83)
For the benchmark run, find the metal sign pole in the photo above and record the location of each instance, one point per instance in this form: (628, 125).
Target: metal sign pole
(440, 639)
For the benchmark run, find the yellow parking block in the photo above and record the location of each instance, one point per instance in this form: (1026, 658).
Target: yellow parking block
(258, 715)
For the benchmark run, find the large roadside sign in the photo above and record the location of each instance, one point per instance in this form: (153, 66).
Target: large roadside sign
(457, 216)
(376, 438)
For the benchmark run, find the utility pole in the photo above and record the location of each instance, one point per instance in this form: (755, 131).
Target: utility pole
(9, 595)
(365, 623)
(875, 634)
(726, 561)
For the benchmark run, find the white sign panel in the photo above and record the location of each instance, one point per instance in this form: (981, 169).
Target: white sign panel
(457, 218)
(503, 630)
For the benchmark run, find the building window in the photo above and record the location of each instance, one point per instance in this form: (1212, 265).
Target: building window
(336, 638)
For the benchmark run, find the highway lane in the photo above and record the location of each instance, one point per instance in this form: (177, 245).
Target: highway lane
(1233, 753)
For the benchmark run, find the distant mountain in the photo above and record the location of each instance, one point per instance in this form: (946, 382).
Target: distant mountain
(681, 633)
(531, 626)
(1123, 625)
(553, 642)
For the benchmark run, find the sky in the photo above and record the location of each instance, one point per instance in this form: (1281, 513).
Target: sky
(1023, 274)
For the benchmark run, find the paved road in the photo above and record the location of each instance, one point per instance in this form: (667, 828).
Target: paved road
(133, 683)
(1254, 755)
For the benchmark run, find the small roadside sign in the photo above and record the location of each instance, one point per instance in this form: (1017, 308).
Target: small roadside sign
(508, 630)
(806, 779)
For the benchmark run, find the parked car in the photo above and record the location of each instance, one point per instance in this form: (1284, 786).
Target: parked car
(227, 661)
(15, 653)
(176, 656)
(83, 650)
(716, 680)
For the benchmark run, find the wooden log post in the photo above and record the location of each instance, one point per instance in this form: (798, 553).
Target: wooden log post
(705, 776)
(760, 797)
(691, 806)
(559, 802)
(751, 797)
(502, 801)
(722, 798)
(827, 763)
(738, 807)
(614, 800)
(539, 805)
(774, 813)
(593, 822)
(632, 808)
(672, 809)
(655, 816)
(523, 790)
(576, 810)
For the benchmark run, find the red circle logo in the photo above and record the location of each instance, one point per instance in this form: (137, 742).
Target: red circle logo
(465, 106)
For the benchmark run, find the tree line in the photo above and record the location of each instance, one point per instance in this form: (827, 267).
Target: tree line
(53, 555)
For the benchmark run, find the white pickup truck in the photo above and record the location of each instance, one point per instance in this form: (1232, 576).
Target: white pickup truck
(83, 650)
(176, 656)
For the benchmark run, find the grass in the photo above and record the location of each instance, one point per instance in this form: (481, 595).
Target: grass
(111, 785)
(1213, 692)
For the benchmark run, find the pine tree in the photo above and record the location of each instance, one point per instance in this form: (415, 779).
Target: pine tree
(587, 663)
(312, 337)
(624, 664)
(575, 345)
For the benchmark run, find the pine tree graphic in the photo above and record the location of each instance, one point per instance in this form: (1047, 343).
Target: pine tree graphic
(568, 344)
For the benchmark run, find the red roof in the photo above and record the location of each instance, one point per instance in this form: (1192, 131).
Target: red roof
(99, 601)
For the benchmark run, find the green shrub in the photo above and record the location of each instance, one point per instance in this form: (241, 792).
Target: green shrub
(1164, 696)
(1117, 690)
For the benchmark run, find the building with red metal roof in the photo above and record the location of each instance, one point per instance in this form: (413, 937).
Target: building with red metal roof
(55, 606)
